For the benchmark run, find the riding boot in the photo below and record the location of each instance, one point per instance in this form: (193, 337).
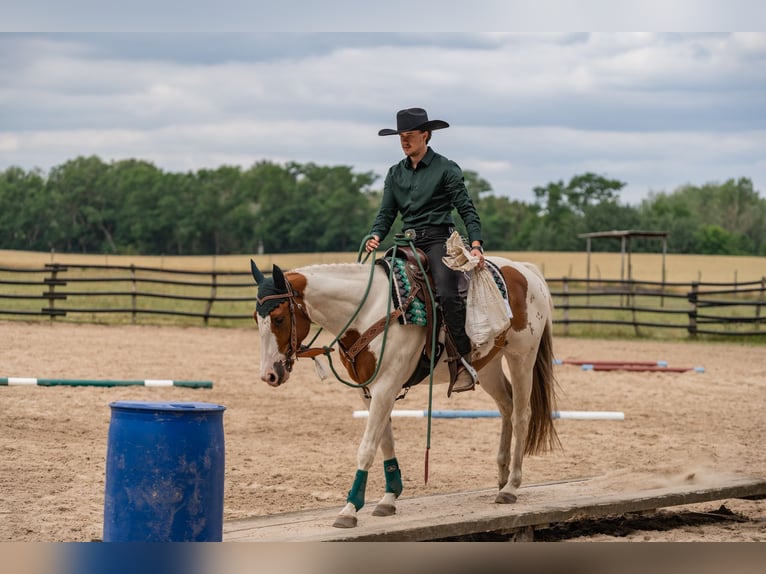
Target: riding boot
(466, 378)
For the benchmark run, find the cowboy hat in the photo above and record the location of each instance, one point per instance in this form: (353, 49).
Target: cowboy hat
(413, 119)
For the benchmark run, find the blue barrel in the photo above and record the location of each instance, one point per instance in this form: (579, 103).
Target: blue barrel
(164, 473)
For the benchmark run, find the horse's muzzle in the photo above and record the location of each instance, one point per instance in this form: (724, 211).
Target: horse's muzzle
(277, 375)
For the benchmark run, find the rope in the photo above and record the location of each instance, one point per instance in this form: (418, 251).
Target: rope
(328, 348)
(400, 240)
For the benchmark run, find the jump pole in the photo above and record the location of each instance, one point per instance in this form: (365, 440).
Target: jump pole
(29, 381)
(658, 366)
(641, 368)
(572, 415)
(641, 363)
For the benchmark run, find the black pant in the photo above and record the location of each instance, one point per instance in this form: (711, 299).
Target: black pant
(433, 242)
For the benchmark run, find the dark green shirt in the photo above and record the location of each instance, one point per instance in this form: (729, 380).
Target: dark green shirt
(426, 196)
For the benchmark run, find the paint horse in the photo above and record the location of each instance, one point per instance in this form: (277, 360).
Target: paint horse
(330, 295)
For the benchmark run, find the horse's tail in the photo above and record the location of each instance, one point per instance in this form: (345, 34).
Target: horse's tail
(541, 435)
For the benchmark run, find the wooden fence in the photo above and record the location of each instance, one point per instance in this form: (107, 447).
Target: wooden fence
(85, 292)
(698, 308)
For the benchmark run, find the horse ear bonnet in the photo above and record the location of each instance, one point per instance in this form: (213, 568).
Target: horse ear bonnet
(265, 288)
(274, 285)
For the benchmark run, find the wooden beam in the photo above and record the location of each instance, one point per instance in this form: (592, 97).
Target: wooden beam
(464, 513)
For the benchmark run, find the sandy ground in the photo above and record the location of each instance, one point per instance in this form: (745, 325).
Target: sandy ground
(294, 447)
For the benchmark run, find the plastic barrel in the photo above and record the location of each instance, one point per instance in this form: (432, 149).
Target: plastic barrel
(164, 473)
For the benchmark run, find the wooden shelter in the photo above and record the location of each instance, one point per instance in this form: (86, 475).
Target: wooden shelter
(624, 237)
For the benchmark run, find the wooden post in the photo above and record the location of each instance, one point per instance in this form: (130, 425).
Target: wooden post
(133, 293)
(587, 273)
(692, 296)
(51, 283)
(52, 290)
(664, 253)
(566, 305)
(758, 307)
(622, 270)
(213, 289)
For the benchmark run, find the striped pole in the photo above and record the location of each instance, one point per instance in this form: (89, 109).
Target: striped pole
(640, 368)
(626, 365)
(28, 381)
(573, 415)
(641, 363)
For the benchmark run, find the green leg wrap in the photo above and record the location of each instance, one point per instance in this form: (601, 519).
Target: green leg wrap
(356, 494)
(393, 476)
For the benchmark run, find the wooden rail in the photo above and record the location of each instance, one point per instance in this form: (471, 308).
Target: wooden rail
(58, 290)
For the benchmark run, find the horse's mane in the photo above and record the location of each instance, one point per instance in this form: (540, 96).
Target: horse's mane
(328, 267)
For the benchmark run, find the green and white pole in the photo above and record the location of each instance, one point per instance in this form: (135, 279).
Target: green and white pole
(30, 381)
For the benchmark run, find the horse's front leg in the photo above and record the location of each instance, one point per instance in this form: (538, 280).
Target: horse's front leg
(378, 432)
(387, 505)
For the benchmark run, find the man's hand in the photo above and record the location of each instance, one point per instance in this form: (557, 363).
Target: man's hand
(478, 252)
(372, 243)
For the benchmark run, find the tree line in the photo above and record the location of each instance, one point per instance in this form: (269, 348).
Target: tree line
(131, 206)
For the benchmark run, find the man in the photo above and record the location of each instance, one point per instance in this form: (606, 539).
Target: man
(425, 187)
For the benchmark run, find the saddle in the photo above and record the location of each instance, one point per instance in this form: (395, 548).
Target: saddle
(417, 284)
(412, 306)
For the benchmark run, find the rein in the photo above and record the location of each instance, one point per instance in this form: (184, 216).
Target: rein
(402, 240)
(362, 257)
(295, 352)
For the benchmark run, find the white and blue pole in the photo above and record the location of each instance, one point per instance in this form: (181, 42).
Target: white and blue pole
(450, 414)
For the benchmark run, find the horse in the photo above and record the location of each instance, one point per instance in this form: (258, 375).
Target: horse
(347, 298)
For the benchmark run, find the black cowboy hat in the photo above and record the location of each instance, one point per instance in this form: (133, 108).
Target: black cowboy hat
(413, 119)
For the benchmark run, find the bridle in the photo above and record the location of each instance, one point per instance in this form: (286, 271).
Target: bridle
(295, 349)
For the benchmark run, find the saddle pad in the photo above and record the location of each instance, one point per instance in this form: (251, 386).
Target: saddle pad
(400, 291)
(499, 279)
(401, 288)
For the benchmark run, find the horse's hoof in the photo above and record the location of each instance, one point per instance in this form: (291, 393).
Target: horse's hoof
(505, 498)
(345, 522)
(384, 510)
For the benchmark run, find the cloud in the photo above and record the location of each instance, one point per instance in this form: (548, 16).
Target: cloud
(654, 110)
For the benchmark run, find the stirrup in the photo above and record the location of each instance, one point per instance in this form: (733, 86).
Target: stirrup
(468, 368)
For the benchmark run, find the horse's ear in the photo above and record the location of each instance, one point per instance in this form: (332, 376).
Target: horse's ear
(279, 279)
(257, 275)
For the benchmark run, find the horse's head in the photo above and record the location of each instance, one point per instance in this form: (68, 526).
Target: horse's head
(282, 321)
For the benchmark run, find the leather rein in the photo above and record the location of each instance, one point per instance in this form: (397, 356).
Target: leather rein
(296, 350)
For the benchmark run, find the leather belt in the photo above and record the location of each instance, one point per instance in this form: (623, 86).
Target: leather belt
(434, 230)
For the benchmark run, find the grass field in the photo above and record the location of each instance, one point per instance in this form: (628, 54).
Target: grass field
(555, 265)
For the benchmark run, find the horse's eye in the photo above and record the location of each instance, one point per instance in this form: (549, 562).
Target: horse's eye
(278, 321)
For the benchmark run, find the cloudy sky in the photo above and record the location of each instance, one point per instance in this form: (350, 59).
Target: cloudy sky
(655, 110)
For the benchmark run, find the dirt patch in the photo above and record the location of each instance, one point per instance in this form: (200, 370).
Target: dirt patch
(294, 448)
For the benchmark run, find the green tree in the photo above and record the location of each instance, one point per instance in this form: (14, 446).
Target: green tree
(342, 212)
(556, 229)
(587, 190)
(506, 225)
(85, 211)
(277, 206)
(214, 210)
(715, 240)
(692, 213)
(146, 221)
(25, 214)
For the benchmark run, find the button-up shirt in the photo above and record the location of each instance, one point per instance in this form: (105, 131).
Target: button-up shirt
(425, 196)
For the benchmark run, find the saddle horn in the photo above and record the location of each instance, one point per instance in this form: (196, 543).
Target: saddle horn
(257, 275)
